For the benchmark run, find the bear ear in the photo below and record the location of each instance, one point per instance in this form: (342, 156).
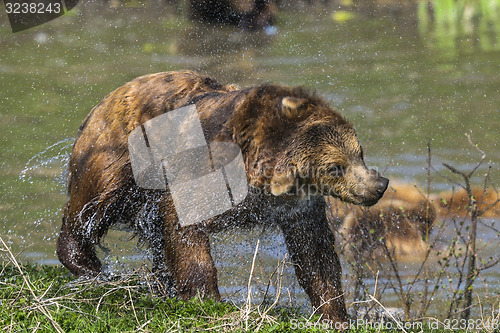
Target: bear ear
(293, 107)
(281, 183)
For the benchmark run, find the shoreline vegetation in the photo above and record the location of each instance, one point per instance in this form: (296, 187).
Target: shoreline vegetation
(48, 299)
(42, 298)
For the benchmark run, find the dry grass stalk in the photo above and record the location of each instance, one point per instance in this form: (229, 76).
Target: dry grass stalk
(459, 263)
(40, 305)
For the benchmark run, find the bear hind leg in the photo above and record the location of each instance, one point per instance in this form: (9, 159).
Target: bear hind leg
(77, 254)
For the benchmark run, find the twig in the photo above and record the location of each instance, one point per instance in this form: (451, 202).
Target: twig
(483, 155)
(395, 268)
(43, 310)
(133, 307)
(249, 296)
(278, 293)
(323, 303)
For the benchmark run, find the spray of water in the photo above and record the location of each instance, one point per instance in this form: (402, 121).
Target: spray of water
(52, 160)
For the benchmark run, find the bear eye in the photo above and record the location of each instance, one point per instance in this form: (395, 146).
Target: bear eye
(336, 171)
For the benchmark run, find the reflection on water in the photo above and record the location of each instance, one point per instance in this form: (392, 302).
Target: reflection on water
(454, 25)
(399, 84)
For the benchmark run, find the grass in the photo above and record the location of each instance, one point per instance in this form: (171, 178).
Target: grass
(40, 298)
(48, 299)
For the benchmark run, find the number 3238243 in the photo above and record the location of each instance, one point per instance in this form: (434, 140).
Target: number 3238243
(473, 324)
(33, 7)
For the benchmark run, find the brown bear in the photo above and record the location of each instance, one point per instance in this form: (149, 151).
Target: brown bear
(456, 203)
(401, 221)
(295, 149)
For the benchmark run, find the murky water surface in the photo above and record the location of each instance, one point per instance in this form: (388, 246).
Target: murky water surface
(399, 88)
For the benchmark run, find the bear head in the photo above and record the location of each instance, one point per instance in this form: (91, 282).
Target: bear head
(296, 144)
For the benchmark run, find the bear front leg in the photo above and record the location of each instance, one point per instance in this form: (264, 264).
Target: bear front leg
(188, 258)
(310, 243)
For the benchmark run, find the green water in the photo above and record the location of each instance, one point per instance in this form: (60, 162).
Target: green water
(398, 86)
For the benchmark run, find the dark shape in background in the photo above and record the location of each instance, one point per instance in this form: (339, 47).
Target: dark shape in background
(44, 11)
(224, 12)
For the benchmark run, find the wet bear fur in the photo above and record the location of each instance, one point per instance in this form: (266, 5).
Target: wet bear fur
(282, 133)
(452, 204)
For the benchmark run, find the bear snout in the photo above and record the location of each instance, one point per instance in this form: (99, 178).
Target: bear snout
(374, 191)
(368, 186)
(381, 185)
